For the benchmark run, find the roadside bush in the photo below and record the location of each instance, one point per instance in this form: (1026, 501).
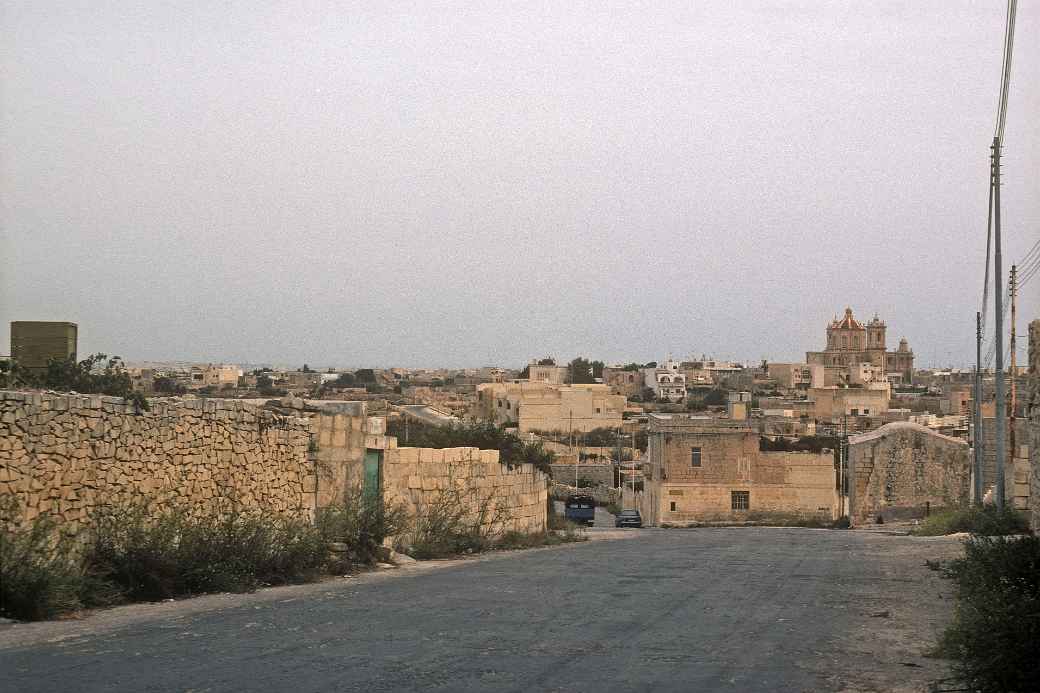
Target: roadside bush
(986, 520)
(39, 574)
(519, 540)
(995, 635)
(443, 528)
(156, 556)
(459, 519)
(361, 522)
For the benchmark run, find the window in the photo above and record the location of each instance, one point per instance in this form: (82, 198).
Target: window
(740, 500)
(598, 410)
(854, 412)
(672, 506)
(695, 457)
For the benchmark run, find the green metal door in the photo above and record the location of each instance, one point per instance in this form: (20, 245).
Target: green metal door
(370, 483)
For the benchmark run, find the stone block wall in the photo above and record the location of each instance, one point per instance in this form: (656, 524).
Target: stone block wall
(598, 473)
(900, 469)
(418, 476)
(68, 454)
(1033, 417)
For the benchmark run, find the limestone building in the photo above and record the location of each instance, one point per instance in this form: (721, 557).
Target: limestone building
(534, 406)
(850, 342)
(34, 344)
(700, 469)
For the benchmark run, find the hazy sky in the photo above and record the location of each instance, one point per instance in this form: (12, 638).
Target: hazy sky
(474, 183)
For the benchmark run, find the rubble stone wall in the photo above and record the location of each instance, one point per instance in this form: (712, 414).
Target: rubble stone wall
(900, 469)
(1033, 414)
(66, 455)
(514, 499)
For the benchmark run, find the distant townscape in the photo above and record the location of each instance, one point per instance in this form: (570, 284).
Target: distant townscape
(854, 430)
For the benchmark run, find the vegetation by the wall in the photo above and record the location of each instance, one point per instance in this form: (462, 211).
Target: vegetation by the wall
(96, 374)
(985, 521)
(995, 636)
(486, 436)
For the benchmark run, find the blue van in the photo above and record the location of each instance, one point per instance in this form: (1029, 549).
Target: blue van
(581, 509)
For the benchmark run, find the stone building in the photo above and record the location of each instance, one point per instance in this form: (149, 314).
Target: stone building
(545, 407)
(668, 382)
(849, 343)
(902, 470)
(701, 469)
(796, 376)
(552, 374)
(622, 381)
(34, 344)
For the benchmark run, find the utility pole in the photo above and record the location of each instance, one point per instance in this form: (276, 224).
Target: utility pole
(1000, 421)
(977, 412)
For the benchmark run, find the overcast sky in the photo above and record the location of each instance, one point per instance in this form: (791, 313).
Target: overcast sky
(463, 184)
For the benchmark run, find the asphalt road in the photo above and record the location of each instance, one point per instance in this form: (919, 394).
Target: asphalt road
(748, 609)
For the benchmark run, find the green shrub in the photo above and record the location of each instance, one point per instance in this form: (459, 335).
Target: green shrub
(361, 521)
(456, 521)
(156, 556)
(995, 635)
(40, 577)
(986, 520)
(519, 540)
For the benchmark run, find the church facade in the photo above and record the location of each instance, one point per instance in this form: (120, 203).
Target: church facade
(850, 343)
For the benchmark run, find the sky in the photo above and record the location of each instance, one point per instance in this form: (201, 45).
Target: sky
(464, 184)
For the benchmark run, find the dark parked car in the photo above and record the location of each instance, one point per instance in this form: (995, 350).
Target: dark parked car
(628, 518)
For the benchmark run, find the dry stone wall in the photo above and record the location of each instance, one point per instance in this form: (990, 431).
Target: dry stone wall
(1033, 414)
(66, 455)
(512, 499)
(900, 469)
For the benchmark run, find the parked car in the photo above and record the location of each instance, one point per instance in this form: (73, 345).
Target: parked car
(628, 518)
(581, 509)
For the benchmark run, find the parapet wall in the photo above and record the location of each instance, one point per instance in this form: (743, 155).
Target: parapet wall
(68, 454)
(510, 499)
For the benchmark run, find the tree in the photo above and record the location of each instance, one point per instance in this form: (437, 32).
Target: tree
(265, 386)
(546, 362)
(344, 380)
(168, 386)
(306, 369)
(486, 436)
(715, 398)
(365, 376)
(580, 371)
(651, 364)
(631, 367)
(597, 369)
(96, 374)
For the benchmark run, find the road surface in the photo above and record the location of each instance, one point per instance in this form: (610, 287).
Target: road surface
(728, 609)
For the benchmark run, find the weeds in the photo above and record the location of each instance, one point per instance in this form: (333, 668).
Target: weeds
(39, 576)
(150, 556)
(362, 522)
(984, 521)
(995, 635)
